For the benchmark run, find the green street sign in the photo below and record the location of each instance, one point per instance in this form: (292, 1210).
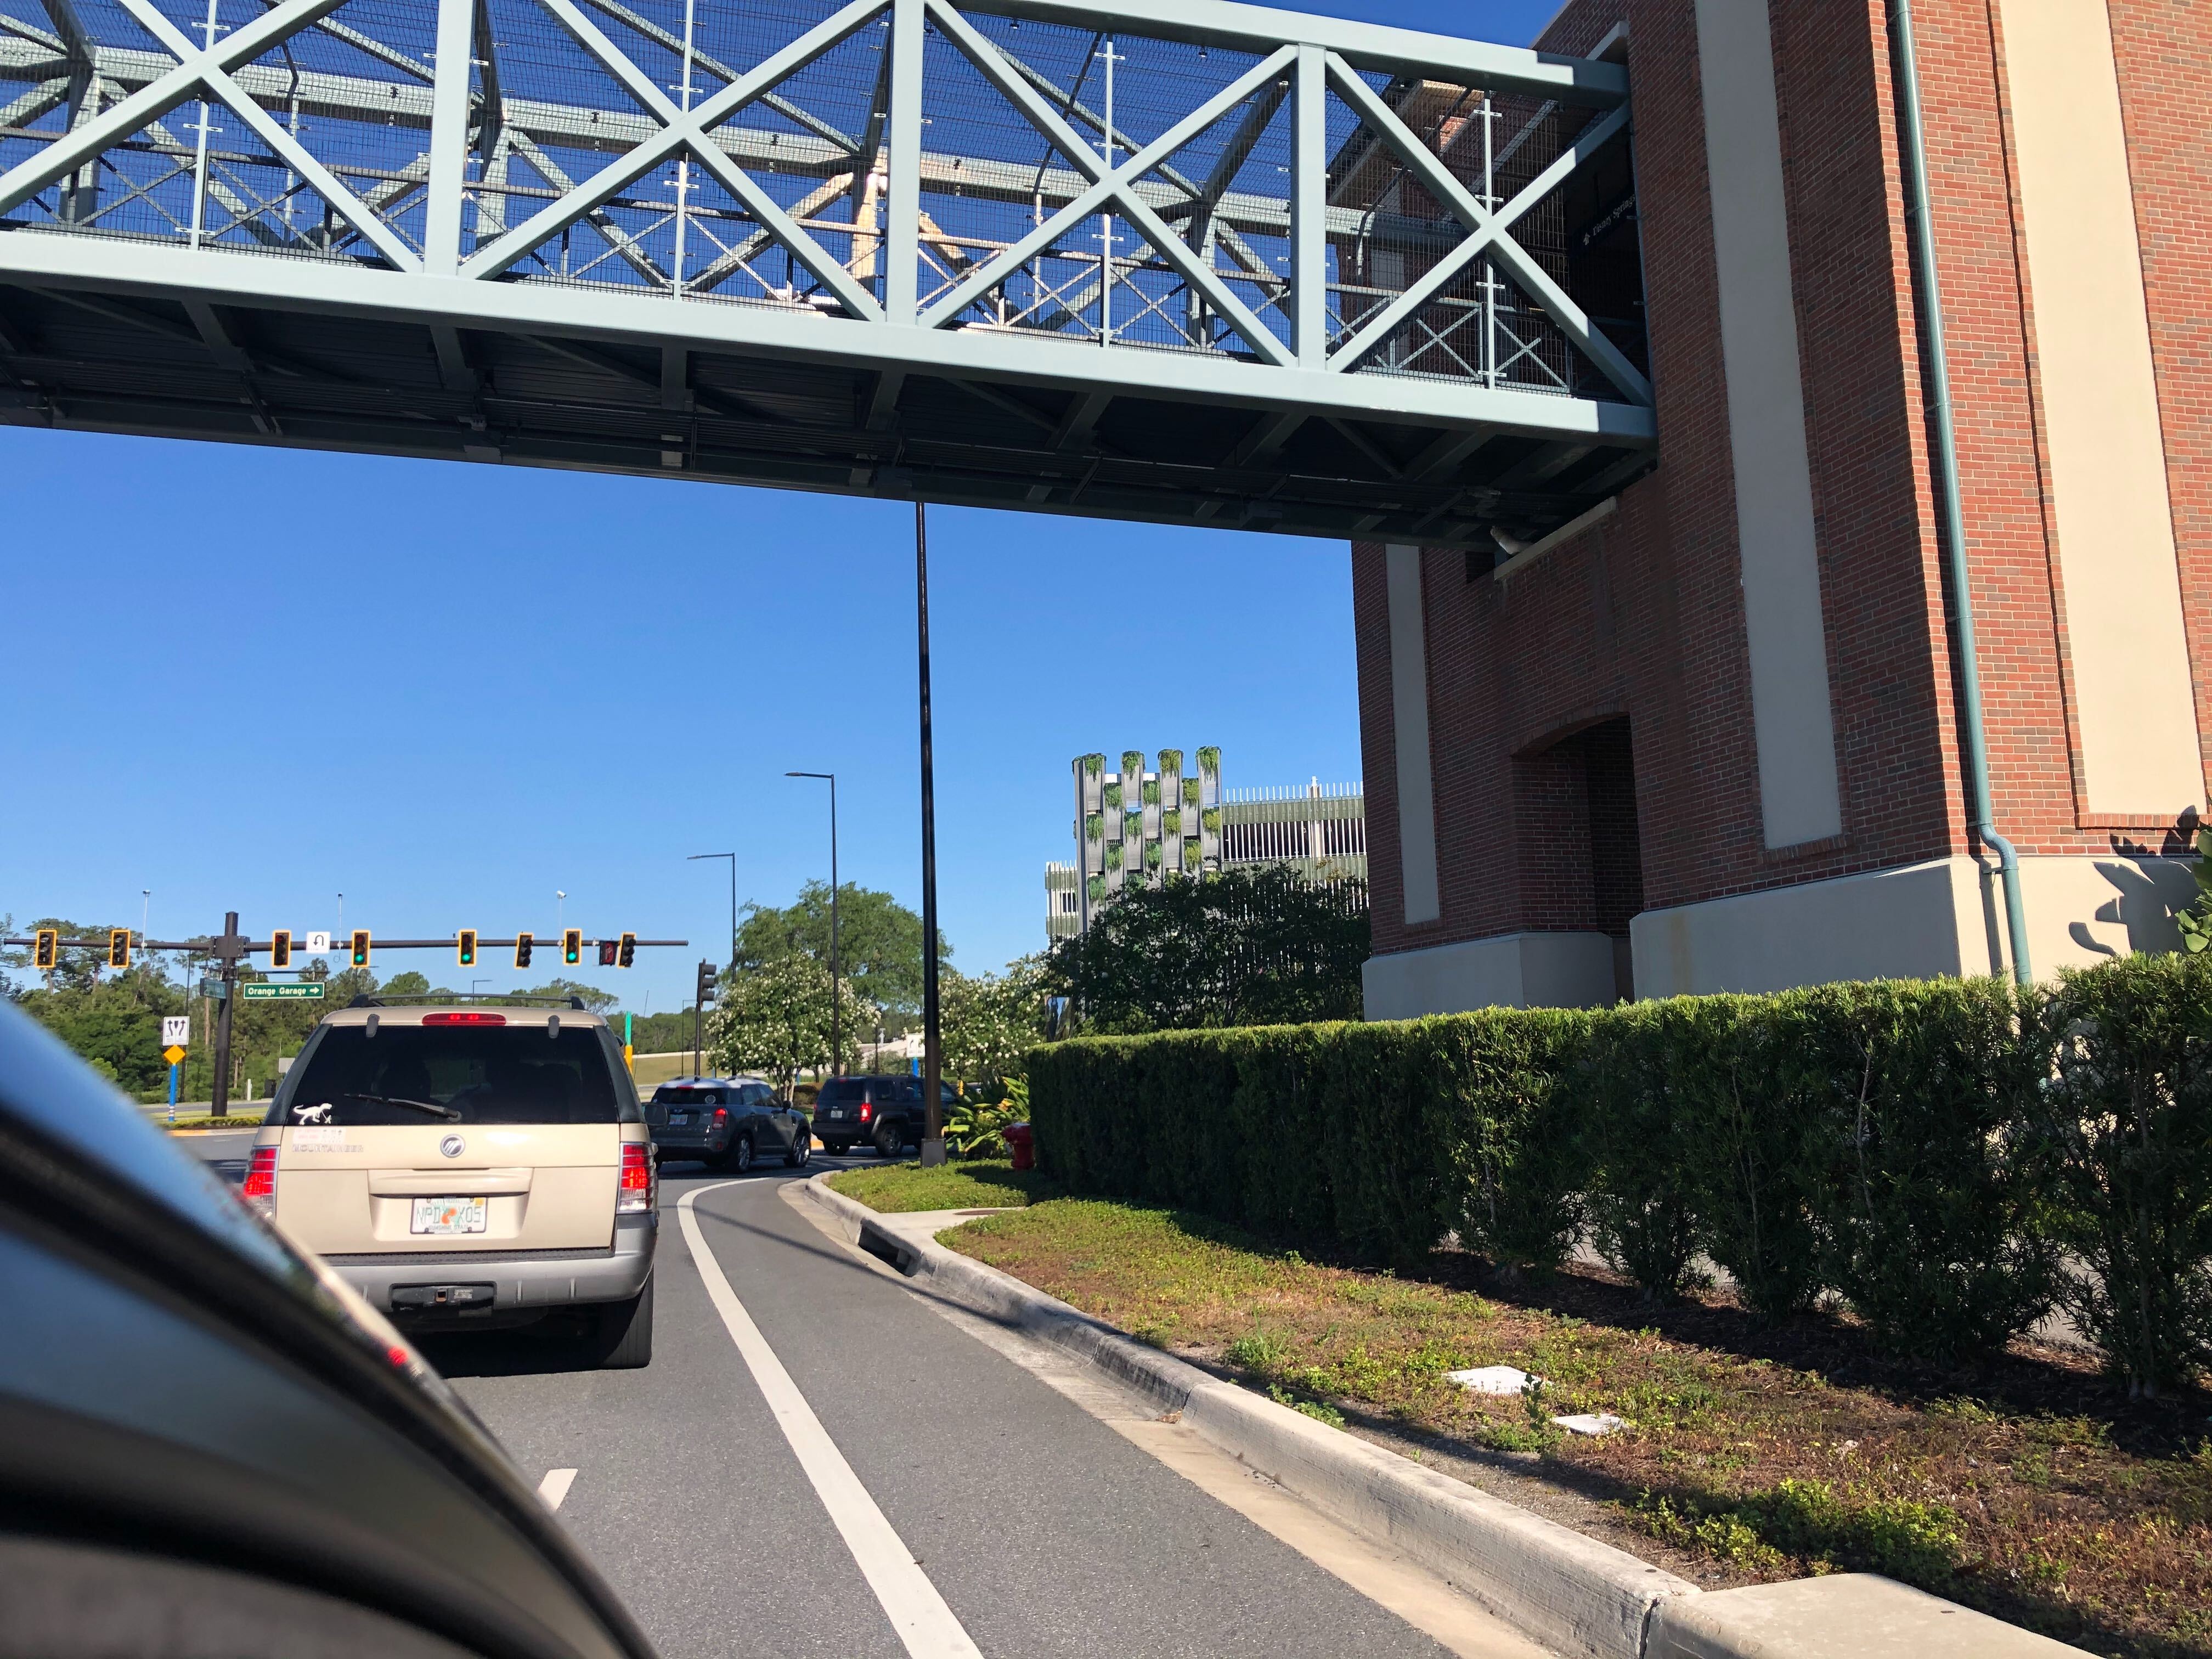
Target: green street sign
(262, 990)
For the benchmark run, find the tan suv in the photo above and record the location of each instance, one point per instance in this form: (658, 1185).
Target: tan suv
(470, 1168)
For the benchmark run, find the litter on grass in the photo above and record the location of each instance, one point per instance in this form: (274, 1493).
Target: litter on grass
(1590, 1423)
(1493, 1379)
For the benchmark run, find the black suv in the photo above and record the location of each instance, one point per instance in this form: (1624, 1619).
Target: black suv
(886, 1110)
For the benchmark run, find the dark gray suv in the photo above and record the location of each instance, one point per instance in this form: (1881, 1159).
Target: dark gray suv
(885, 1111)
(731, 1122)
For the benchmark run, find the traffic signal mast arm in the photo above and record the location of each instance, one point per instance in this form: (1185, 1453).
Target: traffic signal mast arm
(206, 946)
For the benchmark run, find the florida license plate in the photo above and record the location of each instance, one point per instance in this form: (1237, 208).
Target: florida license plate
(678, 1120)
(449, 1215)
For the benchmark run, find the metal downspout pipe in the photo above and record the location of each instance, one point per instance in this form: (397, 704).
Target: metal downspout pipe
(1946, 461)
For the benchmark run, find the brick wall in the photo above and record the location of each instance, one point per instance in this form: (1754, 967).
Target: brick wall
(1643, 617)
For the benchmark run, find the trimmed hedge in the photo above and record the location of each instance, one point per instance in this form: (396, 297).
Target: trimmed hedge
(1950, 1156)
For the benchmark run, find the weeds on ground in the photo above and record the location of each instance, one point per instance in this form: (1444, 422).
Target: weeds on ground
(1756, 1451)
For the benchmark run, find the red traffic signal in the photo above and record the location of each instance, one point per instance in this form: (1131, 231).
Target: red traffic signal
(46, 949)
(606, 953)
(279, 948)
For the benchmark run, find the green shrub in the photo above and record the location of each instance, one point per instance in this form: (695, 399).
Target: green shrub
(1928, 1150)
(1635, 1146)
(2123, 1129)
(1925, 1204)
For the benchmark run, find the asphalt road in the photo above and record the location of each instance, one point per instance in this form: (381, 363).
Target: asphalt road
(1043, 1530)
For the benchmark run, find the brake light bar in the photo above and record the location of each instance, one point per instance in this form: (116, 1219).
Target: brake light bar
(259, 1190)
(635, 1188)
(465, 1017)
(867, 1111)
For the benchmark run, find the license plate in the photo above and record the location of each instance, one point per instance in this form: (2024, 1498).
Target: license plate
(836, 1111)
(678, 1120)
(449, 1215)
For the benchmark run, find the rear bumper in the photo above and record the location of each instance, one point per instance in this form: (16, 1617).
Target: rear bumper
(525, 1280)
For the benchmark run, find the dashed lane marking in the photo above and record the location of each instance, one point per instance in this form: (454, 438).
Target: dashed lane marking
(555, 1486)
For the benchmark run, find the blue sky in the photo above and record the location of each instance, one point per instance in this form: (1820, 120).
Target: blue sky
(259, 678)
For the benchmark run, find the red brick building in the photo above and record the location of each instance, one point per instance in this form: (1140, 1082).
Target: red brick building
(1718, 739)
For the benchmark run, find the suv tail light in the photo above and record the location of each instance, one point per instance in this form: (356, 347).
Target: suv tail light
(867, 1110)
(259, 1191)
(721, 1116)
(634, 1192)
(464, 1018)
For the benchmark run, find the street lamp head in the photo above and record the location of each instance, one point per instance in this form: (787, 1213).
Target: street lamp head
(829, 775)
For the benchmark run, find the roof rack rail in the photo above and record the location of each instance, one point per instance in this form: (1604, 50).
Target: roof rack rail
(416, 999)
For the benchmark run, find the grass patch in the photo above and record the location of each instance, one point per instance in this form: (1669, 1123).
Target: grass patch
(985, 1183)
(205, 1122)
(1767, 1451)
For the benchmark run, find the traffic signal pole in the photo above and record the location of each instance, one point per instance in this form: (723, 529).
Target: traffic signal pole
(933, 1109)
(229, 951)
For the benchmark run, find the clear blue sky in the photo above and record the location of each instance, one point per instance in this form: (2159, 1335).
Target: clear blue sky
(260, 677)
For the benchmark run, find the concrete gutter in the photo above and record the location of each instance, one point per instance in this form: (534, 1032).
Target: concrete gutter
(1571, 1593)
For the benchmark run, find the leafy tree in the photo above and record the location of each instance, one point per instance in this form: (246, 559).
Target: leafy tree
(2195, 920)
(879, 944)
(774, 1019)
(1240, 948)
(592, 997)
(409, 984)
(990, 1021)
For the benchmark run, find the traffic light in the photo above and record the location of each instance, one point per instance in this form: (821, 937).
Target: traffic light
(361, 947)
(706, 977)
(119, 947)
(280, 949)
(606, 953)
(46, 949)
(464, 947)
(626, 953)
(572, 946)
(522, 944)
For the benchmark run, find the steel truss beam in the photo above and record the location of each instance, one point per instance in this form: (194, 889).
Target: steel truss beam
(1320, 426)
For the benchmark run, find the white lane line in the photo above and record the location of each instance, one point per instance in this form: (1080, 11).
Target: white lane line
(555, 1486)
(916, 1611)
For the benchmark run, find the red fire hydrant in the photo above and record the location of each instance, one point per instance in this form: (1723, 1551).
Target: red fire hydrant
(1023, 1144)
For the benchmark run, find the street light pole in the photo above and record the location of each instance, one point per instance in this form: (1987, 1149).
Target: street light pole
(933, 1142)
(836, 969)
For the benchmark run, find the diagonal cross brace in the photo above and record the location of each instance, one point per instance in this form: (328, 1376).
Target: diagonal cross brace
(1442, 183)
(158, 97)
(680, 129)
(980, 52)
(1105, 186)
(295, 156)
(1356, 350)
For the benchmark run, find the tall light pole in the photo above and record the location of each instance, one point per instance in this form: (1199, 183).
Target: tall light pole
(560, 911)
(932, 1110)
(836, 1053)
(733, 858)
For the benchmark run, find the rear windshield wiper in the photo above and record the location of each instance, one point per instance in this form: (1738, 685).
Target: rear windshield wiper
(430, 1106)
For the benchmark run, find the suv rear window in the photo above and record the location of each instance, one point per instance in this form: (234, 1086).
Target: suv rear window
(668, 1096)
(514, 1075)
(843, 1092)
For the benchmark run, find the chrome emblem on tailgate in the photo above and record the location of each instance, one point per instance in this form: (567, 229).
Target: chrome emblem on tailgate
(452, 1145)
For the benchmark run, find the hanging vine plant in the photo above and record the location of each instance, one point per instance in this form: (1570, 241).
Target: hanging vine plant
(1113, 855)
(1151, 856)
(1094, 764)
(1191, 793)
(1112, 795)
(1193, 857)
(1171, 824)
(1209, 820)
(1170, 763)
(1133, 765)
(1209, 759)
(1097, 888)
(1094, 827)
(1152, 793)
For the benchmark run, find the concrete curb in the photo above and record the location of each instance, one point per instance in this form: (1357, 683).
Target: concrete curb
(1570, 1592)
